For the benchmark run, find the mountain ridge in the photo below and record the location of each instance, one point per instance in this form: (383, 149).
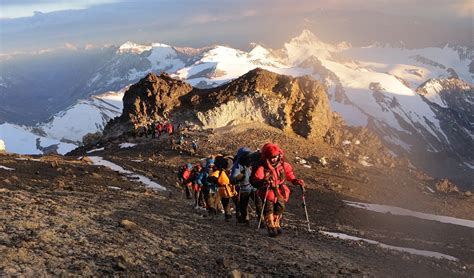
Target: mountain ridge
(375, 87)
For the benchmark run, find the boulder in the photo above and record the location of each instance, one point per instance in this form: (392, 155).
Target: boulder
(445, 186)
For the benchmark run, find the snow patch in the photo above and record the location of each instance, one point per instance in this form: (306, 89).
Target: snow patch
(131, 47)
(391, 247)
(433, 88)
(406, 212)
(95, 150)
(27, 159)
(99, 161)
(6, 168)
(469, 164)
(127, 145)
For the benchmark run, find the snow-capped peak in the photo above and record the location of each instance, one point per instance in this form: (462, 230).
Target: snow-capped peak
(131, 47)
(306, 45)
(158, 45)
(307, 38)
(259, 52)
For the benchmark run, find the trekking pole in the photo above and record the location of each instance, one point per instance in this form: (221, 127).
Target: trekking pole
(263, 208)
(306, 213)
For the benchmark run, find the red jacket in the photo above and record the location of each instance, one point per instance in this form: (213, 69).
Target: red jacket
(169, 128)
(276, 175)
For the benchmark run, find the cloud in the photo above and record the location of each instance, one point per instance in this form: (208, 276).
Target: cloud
(70, 46)
(199, 23)
(464, 8)
(209, 18)
(25, 8)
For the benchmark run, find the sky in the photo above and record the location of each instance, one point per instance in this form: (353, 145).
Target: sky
(39, 25)
(25, 8)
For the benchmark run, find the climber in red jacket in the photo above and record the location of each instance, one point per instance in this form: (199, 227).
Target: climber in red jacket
(270, 178)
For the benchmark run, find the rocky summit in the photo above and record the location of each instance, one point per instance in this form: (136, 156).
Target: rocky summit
(296, 105)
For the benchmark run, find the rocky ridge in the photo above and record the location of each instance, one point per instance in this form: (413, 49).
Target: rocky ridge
(296, 105)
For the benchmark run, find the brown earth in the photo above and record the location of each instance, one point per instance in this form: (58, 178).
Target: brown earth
(63, 216)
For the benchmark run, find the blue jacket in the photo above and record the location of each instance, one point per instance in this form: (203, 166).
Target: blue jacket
(202, 180)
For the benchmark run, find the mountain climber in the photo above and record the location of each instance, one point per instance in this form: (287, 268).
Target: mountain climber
(181, 140)
(169, 128)
(145, 130)
(226, 190)
(194, 146)
(198, 195)
(159, 129)
(240, 175)
(270, 177)
(184, 177)
(134, 130)
(152, 129)
(208, 188)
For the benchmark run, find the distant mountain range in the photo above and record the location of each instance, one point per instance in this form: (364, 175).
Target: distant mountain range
(419, 101)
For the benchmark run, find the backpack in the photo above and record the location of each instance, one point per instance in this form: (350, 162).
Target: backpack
(181, 170)
(255, 160)
(222, 162)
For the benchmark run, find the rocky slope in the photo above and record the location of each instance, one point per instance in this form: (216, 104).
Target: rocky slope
(452, 101)
(64, 216)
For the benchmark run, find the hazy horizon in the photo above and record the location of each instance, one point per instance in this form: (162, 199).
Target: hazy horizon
(82, 23)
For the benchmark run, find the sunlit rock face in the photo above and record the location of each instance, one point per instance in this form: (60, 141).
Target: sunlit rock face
(298, 105)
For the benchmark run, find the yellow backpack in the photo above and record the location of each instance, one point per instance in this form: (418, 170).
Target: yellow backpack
(226, 190)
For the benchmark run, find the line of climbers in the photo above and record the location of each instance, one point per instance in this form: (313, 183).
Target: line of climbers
(156, 129)
(259, 176)
(153, 129)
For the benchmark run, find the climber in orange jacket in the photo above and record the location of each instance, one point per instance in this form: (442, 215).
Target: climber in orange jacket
(270, 178)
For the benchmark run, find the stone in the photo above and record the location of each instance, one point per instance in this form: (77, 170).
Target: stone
(128, 225)
(445, 186)
(235, 274)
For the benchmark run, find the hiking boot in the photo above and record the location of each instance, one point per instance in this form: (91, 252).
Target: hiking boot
(246, 222)
(227, 217)
(272, 232)
(212, 211)
(277, 219)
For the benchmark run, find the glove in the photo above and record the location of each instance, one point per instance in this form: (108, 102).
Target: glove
(299, 182)
(268, 179)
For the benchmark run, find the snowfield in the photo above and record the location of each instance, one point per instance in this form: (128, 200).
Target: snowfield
(22, 140)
